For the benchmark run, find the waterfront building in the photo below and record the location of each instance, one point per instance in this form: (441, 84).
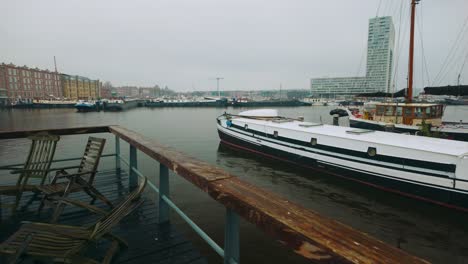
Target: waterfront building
(127, 91)
(80, 88)
(378, 78)
(147, 92)
(28, 84)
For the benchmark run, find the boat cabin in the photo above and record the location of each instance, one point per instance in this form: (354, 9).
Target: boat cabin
(409, 114)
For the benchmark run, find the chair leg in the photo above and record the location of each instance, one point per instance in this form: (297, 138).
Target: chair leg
(99, 195)
(41, 206)
(114, 248)
(19, 194)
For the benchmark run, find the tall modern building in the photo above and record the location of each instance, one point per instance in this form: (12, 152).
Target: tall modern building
(380, 45)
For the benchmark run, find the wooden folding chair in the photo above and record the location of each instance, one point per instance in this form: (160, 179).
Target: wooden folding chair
(37, 166)
(65, 183)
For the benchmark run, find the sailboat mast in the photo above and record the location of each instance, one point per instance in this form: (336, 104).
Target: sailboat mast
(409, 96)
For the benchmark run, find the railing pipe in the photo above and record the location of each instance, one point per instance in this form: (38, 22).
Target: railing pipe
(117, 154)
(164, 191)
(132, 179)
(231, 237)
(189, 221)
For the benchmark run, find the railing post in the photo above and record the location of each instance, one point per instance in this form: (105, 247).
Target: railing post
(117, 154)
(231, 237)
(163, 190)
(133, 177)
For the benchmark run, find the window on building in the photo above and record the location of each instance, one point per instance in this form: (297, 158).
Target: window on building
(275, 134)
(313, 141)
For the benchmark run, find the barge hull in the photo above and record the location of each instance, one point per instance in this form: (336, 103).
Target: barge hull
(443, 197)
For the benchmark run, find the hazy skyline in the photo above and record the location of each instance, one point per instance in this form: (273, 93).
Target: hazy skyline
(252, 44)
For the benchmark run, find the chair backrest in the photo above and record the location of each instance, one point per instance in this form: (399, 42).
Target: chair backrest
(40, 156)
(106, 223)
(90, 160)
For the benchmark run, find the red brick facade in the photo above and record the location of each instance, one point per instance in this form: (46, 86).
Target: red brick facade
(27, 83)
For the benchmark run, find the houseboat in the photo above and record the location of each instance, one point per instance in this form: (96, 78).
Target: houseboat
(407, 118)
(424, 168)
(120, 104)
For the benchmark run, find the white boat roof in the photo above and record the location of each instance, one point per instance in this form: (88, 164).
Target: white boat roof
(260, 113)
(437, 145)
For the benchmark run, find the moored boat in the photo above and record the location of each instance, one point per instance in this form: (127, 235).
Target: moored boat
(429, 169)
(408, 118)
(120, 104)
(87, 106)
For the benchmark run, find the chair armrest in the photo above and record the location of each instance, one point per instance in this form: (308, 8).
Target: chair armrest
(75, 174)
(64, 168)
(24, 170)
(77, 203)
(10, 167)
(48, 170)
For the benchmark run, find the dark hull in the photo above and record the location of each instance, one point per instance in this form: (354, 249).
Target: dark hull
(86, 108)
(366, 125)
(120, 107)
(446, 198)
(270, 103)
(42, 105)
(186, 104)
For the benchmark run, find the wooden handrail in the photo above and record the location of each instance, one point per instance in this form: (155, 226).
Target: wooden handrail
(309, 234)
(54, 131)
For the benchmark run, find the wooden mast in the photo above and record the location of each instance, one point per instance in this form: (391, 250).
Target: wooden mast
(409, 95)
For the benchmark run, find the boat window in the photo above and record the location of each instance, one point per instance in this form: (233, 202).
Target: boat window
(418, 112)
(433, 111)
(313, 141)
(389, 110)
(371, 151)
(275, 134)
(408, 111)
(380, 110)
(428, 111)
(246, 127)
(399, 110)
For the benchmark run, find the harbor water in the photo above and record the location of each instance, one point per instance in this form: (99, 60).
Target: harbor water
(437, 234)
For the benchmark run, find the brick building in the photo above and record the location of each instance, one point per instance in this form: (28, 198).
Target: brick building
(23, 83)
(78, 87)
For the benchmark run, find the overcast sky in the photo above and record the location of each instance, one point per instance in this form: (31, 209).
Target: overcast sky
(252, 44)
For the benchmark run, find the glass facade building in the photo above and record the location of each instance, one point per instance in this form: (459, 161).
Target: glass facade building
(380, 45)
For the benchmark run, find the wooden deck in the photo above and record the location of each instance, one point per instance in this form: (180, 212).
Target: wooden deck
(148, 241)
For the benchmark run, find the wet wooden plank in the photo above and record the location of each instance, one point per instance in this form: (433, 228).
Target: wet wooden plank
(54, 131)
(308, 233)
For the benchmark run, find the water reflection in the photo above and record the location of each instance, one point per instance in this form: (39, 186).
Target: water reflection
(426, 230)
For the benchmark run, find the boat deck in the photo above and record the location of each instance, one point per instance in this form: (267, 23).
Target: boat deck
(148, 241)
(427, 144)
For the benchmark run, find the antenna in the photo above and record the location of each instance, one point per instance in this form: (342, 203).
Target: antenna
(217, 84)
(55, 64)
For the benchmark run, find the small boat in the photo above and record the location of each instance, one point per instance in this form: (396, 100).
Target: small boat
(428, 169)
(86, 106)
(120, 104)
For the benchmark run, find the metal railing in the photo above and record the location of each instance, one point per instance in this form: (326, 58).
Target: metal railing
(309, 234)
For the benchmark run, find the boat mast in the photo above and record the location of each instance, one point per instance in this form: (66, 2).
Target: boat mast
(409, 95)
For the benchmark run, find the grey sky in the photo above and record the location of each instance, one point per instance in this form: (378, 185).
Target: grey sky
(252, 44)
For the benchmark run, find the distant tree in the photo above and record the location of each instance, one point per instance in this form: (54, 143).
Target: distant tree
(107, 85)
